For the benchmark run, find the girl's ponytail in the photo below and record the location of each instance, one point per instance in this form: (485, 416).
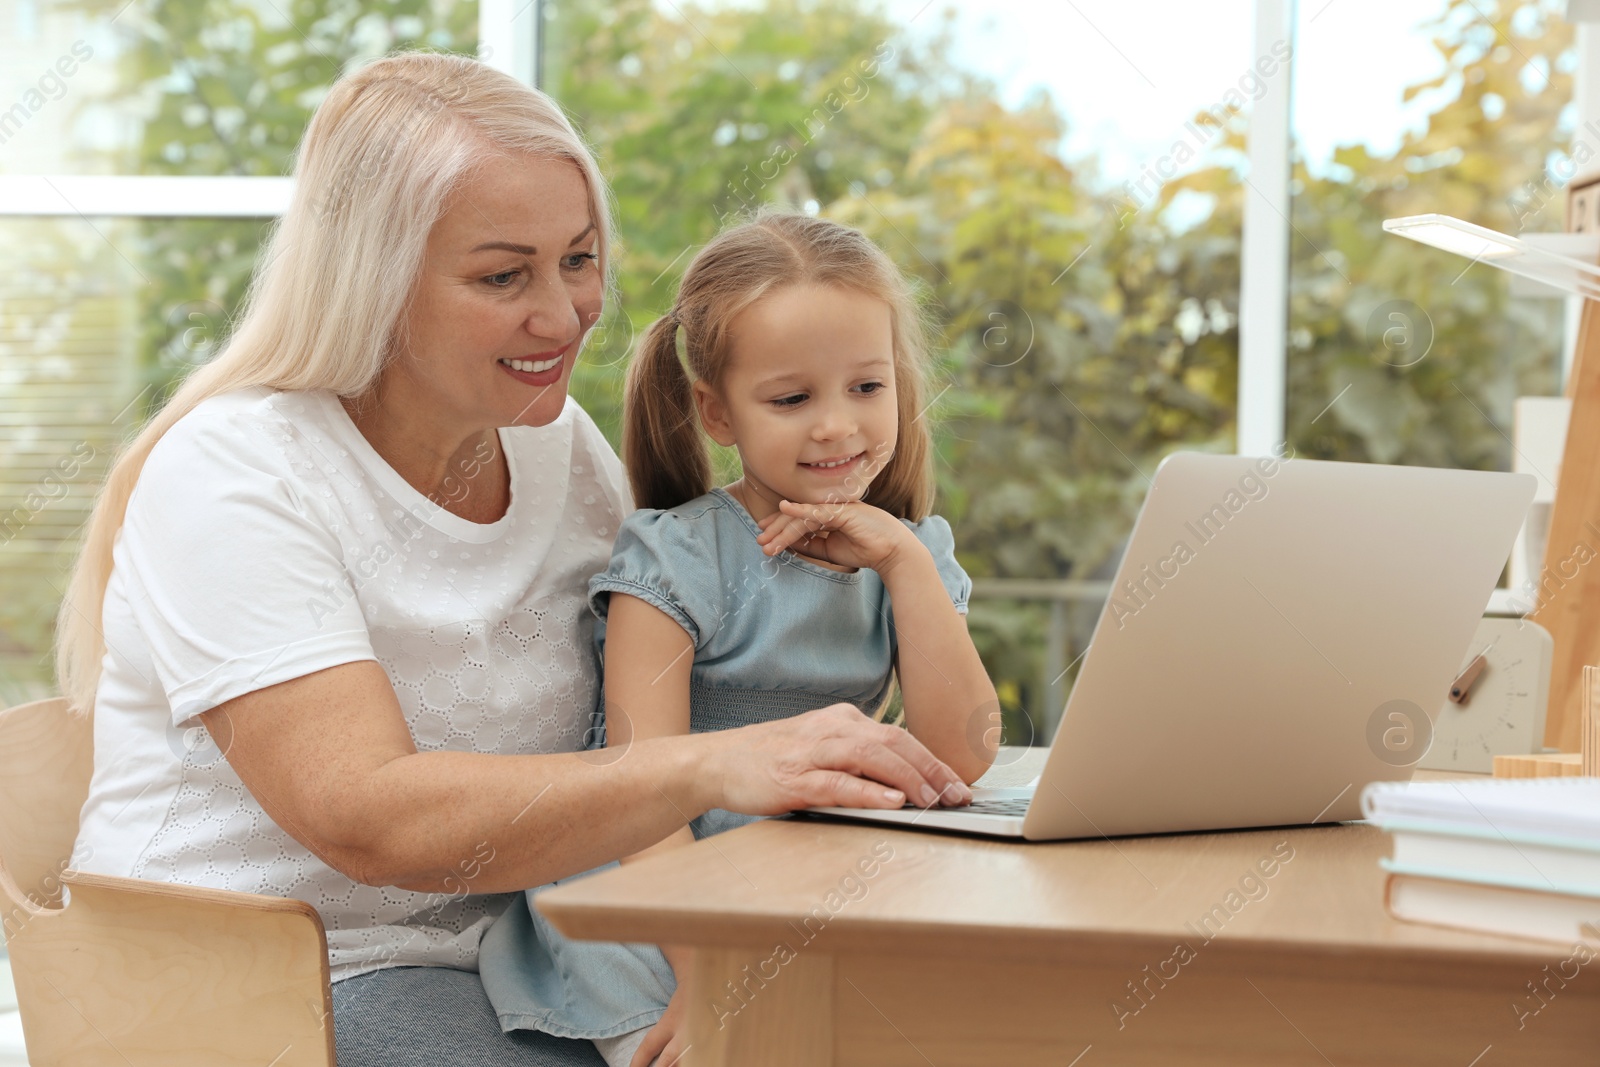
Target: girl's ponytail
(662, 446)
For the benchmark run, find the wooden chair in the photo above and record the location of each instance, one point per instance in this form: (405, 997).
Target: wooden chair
(132, 973)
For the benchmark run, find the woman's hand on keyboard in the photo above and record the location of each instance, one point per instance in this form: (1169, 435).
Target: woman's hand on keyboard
(832, 757)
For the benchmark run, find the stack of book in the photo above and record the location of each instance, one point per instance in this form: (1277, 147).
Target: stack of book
(1506, 856)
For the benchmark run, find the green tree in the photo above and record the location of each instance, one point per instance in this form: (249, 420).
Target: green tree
(1474, 159)
(224, 87)
(1069, 370)
(1078, 342)
(699, 114)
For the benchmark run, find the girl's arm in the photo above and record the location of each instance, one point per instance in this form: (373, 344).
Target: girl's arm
(950, 704)
(648, 656)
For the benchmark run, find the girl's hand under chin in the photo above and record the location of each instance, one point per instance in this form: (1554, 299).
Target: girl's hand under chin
(849, 534)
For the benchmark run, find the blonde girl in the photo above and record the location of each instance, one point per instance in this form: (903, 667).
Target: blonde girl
(817, 577)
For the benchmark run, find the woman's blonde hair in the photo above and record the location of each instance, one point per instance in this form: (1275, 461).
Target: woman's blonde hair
(325, 308)
(666, 453)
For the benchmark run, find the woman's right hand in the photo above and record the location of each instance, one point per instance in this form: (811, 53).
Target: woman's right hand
(835, 757)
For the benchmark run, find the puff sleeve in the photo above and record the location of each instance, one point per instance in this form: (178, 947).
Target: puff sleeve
(934, 533)
(666, 559)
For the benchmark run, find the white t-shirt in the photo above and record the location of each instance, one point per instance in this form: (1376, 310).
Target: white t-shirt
(265, 540)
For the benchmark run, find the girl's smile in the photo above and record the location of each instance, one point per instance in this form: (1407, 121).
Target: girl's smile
(834, 467)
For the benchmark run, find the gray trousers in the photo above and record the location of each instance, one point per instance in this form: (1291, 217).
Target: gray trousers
(437, 1017)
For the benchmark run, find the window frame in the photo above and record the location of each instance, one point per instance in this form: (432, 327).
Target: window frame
(508, 40)
(1263, 365)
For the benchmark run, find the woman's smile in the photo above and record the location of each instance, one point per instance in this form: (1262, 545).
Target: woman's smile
(541, 369)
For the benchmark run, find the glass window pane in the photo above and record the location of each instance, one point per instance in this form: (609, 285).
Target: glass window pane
(1400, 353)
(1062, 181)
(98, 319)
(205, 87)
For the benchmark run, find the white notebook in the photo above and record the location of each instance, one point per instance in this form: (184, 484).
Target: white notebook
(1556, 811)
(1540, 834)
(1490, 909)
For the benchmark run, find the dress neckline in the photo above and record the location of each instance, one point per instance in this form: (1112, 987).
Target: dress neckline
(794, 559)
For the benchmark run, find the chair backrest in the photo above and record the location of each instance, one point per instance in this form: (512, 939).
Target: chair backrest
(134, 973)
(46, 759)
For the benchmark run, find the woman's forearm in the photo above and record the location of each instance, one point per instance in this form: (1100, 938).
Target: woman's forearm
(331, 760)
(951, 706)
(460, 822)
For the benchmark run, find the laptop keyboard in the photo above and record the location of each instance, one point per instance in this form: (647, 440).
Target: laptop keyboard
(1014, 806)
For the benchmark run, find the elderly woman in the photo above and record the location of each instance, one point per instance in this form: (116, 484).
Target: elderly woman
(330, 615)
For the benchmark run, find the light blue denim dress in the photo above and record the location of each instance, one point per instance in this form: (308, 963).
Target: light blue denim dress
(773, 637)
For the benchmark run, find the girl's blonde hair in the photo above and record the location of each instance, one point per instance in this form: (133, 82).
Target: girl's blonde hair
(666, 453)
(326, 305)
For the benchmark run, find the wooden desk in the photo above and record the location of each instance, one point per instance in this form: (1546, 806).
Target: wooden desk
(828, 943)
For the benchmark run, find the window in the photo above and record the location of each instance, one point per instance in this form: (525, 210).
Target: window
(142, 154)
(1067, 184)
(1075, 232)
(1399, 353)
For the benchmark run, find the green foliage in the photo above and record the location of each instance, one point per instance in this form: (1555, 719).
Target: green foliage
(1510, 63)
(1079, 341)
(698, 114)
(222, 87)
(1068, 374)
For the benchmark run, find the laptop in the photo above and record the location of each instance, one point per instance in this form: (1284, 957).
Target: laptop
(1279, 634)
